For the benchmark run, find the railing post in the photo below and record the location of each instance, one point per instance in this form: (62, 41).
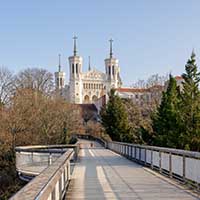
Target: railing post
(184, 168)
(50, 159)
(76, 150)
(151, 159)
(68, 171)
(170, 165)
(160, 162)
(140, 161)
(131, 152)
(135, 155)
(145, 156)
(31, 157)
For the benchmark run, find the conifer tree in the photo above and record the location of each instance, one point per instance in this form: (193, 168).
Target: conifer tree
(166, 121)
(115, 119)
(191, 106)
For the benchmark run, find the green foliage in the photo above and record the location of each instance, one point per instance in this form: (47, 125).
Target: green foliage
(166, 121)
(115, 119)
(190, 106)
(177, 121)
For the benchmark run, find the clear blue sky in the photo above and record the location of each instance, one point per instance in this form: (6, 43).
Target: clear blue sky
(150, 36)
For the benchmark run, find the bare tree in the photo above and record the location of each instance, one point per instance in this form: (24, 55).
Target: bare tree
(156, 79)
(6, 85)
(37, 79)
(153, 80)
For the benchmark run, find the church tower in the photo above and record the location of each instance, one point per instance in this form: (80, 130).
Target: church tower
(60, 77)
(75, 81)
(112, 70)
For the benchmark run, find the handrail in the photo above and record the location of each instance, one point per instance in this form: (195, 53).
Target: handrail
(193, 154)
(39, 148)
(51, 183)
(180, 164)
(51, 166)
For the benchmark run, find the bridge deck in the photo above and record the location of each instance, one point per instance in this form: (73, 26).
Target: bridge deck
(103, 174)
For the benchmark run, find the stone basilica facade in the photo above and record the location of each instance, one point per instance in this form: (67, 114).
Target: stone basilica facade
(87, 87)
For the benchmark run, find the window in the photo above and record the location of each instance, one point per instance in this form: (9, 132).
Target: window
(113, 69)
(57, 81)
(86, 99)
(94, 98)
(109, 71)
(73, 68)
(76, 68)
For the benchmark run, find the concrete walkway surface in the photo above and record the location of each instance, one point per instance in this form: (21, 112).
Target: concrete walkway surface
(102, 174)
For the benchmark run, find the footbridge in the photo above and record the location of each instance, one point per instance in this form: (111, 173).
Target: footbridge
(107, 170)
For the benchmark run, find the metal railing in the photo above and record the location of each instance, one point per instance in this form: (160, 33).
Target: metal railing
(179, 164)
(52, 181)
(32, 160)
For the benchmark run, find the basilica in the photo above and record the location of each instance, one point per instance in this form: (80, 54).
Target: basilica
(87, 87)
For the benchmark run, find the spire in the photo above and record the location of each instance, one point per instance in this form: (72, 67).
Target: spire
(75, 50)
(111, 52)
(89, 67)
(59, 65)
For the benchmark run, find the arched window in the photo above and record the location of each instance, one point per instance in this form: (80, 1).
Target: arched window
(86, 99)
(94, 98)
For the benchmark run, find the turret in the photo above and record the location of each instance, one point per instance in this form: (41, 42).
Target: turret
(112, 68)
(60, 76)
(75, 63)
(75, 81)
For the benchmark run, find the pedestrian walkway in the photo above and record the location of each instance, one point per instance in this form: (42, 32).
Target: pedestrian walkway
(103, 174)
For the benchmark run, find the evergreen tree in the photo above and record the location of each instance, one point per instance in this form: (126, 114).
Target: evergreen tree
(191, 106)
(166, 121)
(115, 119)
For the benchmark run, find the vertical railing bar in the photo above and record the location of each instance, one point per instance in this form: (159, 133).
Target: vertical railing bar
(160, 162)
(170, 164)
(184, 168)
(151, 159)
